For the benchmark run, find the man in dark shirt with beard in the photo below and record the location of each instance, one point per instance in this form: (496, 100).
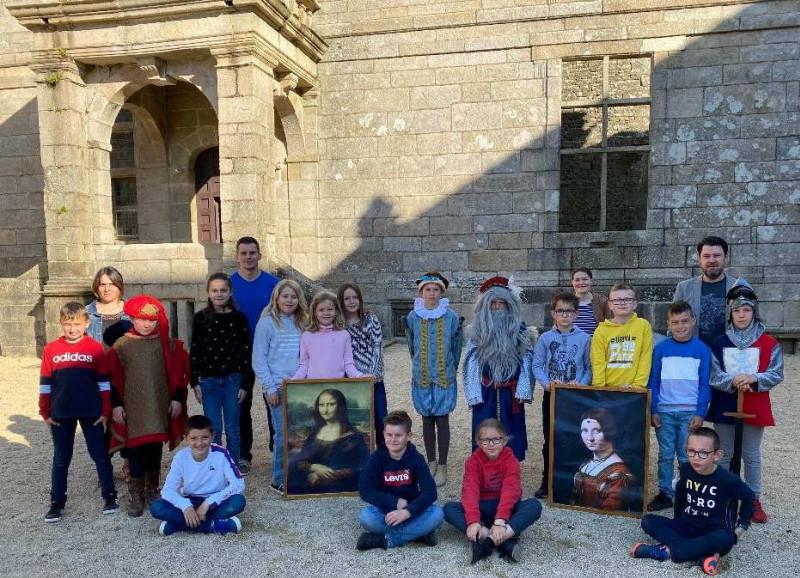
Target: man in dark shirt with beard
(706, 293)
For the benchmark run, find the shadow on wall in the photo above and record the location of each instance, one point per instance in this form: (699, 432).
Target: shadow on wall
(506, 219)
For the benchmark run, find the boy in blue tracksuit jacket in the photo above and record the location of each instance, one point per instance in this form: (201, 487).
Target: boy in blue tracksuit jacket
(679, 395)
(398, 485)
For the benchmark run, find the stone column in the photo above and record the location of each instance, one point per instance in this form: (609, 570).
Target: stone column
(61, 98)
(245, 83)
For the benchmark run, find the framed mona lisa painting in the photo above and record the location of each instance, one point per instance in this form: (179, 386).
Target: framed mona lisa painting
(328, 434)
(599, 449)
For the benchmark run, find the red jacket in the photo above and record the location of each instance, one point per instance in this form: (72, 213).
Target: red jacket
(486, 479)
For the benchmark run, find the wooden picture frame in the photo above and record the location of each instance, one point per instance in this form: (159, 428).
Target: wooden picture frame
(340, 460)
(592, 480)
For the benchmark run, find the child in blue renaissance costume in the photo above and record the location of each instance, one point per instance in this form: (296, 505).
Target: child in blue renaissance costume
(498, 363)
(434, 337)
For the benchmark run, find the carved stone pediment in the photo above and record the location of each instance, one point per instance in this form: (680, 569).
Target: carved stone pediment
(291, 18)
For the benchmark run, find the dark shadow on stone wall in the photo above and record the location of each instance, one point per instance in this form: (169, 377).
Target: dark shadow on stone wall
(394, 251)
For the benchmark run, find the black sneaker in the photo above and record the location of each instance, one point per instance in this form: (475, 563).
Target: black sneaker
(369, 541)
(506, 551)
(277, 488)
(661, 502)
(541, 493)
(481, 549)
(429, 539)
(110, 505)
(54, 513)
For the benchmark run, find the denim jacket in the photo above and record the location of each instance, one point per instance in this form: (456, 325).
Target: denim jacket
(95, 330)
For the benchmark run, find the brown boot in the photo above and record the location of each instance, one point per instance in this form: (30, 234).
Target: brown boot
(151, 490)
(135, 497)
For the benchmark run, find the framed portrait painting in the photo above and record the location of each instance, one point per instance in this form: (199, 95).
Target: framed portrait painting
(328, 434)
(599, 449)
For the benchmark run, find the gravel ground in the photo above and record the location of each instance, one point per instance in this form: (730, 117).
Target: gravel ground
(316, 537)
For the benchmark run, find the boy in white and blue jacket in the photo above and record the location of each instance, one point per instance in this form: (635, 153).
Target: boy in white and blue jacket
(203, 490)
(561, 356)
(679, 395)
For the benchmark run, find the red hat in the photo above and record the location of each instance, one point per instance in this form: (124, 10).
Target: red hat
(148, 307)
(496, 281)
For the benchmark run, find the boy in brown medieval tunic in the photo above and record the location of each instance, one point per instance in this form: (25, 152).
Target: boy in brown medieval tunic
(149, 375)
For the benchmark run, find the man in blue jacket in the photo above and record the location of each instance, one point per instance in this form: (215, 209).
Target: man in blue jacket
(398, 485)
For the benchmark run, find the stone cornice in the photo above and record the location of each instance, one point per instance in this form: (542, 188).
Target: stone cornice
(58, 15)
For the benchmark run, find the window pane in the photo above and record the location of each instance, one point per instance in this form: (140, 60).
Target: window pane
(626, 191)
(123, 193)
(579, 200)
(122, 150)
(124, 116)
(124, 205)
(126, 224)
(628, 125)
(582, 80)
(581, 127)
(629, 78)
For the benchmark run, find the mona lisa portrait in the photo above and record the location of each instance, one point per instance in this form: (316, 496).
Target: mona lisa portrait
(599, 449)
(328, 433)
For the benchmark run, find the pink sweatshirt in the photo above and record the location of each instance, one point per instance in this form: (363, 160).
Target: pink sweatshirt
(326, 354)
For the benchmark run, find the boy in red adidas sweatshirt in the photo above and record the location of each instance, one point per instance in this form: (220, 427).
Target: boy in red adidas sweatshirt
(74, 388)
(491, 512)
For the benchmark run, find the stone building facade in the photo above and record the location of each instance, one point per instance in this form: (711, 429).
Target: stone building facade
(374, 140)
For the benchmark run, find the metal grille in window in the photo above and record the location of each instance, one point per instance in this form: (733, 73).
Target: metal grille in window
(124, 204)
(605, 144)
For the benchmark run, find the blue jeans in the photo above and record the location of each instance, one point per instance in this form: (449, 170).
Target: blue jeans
(525, 513)
(372, 520)
(685, 543)
(63, 444)
(277, 437)
(164, 510)
(221, 399)
(672, 437)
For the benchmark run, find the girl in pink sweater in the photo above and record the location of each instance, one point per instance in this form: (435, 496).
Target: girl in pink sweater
(325, 348)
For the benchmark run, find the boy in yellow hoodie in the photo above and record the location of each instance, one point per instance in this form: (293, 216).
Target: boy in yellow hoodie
(622, 347)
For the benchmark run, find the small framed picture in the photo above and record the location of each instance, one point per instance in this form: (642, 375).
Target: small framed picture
(328, 434)
(599, 444)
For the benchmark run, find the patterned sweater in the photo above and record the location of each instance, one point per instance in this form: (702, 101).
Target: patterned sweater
(367, 341)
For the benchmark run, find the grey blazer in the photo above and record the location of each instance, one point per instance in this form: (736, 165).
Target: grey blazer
(691, 291)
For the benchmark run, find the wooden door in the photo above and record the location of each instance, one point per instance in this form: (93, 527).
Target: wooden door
(209, 215)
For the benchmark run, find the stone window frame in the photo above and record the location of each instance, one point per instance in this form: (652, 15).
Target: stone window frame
(605, 102)
(124, 173)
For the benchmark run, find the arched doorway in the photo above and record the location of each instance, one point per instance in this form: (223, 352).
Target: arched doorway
(209, 215)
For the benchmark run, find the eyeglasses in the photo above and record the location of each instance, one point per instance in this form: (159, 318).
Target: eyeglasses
(626, 301)
(491, 441)
(565, 312)
(702, 454)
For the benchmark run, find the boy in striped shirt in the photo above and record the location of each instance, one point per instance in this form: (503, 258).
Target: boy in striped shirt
(680, 394)
(74, 388)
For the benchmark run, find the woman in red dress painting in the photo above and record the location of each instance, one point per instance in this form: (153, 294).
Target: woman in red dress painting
(604, 482)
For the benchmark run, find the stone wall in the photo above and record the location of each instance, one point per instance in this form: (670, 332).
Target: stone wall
(439, 145)
(21, 214)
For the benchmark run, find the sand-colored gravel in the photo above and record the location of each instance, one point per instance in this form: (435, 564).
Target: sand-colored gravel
(317, 537)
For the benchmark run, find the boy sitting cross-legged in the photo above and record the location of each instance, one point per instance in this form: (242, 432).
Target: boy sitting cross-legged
(706, 502)
(203, 489)
(399, 488)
